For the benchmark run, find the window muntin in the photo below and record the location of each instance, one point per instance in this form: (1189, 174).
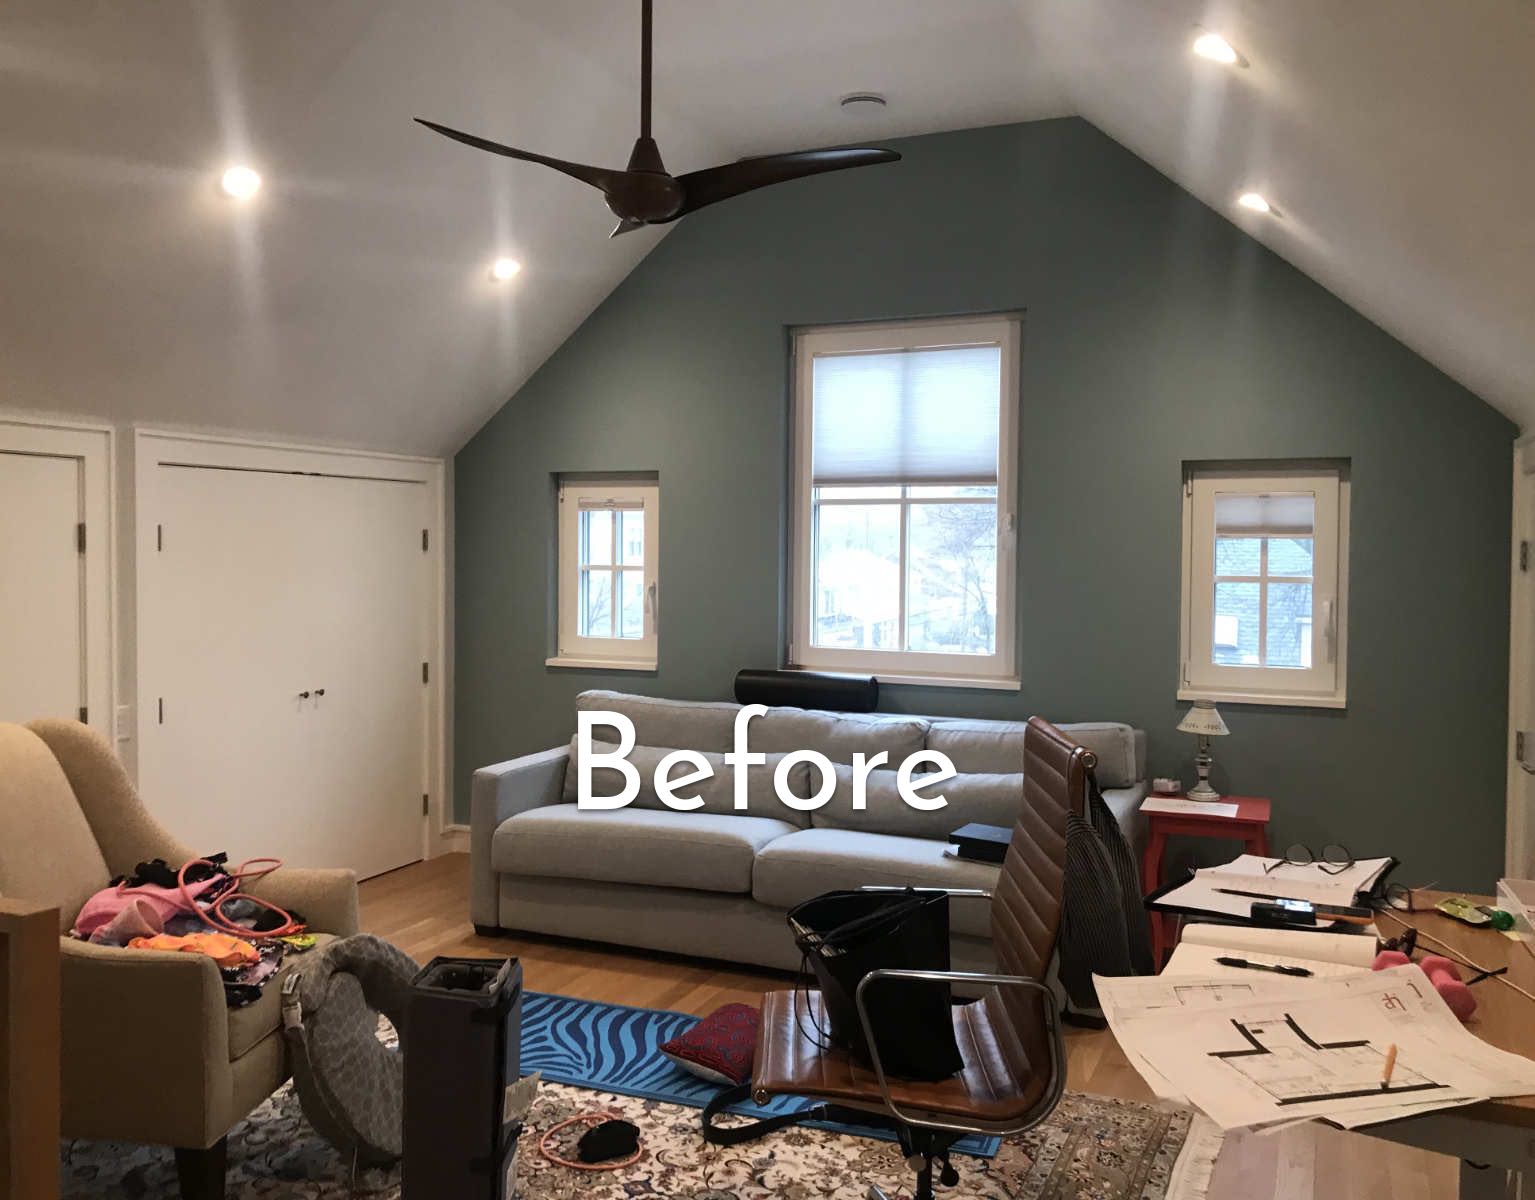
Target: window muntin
(904, 452)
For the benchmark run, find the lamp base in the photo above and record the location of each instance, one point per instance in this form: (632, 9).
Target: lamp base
(1203, 791)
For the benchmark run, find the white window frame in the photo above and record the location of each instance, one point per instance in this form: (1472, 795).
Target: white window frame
(620, 654)
(998, 670)
(1325, 683)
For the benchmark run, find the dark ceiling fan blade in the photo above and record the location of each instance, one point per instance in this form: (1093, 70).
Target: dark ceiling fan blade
(598, 177)
(732, 179)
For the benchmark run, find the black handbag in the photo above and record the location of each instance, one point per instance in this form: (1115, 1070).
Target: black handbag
(845, 935)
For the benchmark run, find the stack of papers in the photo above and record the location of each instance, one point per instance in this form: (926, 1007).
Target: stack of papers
(1246, 874)
(1265, 1050)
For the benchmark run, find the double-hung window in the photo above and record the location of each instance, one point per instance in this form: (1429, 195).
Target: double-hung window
(607, 589)
(903, 534)
(1265, 586)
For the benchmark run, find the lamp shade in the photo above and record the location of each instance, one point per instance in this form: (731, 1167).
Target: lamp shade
(1203, 718)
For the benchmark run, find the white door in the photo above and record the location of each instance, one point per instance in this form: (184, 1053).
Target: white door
(283, 621)
(42, 587)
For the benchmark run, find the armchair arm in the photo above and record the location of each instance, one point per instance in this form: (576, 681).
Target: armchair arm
(497, 793)
(137, 1019)
(327, 898)
(1053, 1089)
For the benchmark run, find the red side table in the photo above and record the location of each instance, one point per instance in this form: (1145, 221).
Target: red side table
(1249, 826)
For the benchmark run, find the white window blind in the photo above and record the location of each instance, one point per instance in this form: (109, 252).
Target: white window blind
(907, 416)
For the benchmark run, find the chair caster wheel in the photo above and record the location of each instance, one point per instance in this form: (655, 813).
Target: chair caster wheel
(949, 1177)
(916, 1162)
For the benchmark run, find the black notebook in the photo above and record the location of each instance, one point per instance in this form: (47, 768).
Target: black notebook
(983, 843)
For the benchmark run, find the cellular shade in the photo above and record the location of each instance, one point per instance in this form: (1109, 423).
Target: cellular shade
(1291, 514)
(907, 416)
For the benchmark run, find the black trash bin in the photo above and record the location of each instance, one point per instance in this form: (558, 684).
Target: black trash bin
(463, 1031)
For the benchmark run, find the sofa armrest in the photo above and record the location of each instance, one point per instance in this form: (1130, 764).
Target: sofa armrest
(326, 898)
(496, 794)
(136, 1020)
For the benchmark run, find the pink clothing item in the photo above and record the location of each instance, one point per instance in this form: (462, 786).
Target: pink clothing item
(105, 905)
(138, 918)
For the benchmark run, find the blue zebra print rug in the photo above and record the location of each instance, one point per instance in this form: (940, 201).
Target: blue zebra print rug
(615, 1048)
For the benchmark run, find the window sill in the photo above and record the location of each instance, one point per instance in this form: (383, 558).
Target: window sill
(603, 664)
(1278, 699)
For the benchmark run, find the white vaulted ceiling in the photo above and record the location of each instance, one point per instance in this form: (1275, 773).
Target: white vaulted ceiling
(350, 300)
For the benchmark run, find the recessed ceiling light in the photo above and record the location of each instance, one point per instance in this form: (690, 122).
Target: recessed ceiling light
(1218, 49)
(862, 102)
(240, 182)
(504, 268)
(1255, 202)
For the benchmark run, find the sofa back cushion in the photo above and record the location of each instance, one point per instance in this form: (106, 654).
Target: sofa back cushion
(680, 724)
(838, 735)
(990, 799)
(717, 792)
(997, 746)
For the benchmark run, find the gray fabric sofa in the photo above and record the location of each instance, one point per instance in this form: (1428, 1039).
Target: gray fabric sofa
(716, 882)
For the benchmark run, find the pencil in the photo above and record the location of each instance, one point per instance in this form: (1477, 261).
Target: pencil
(1385, 1076)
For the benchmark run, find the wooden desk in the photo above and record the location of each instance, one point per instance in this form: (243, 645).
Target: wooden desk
(29, 1050)
(1499, 1133)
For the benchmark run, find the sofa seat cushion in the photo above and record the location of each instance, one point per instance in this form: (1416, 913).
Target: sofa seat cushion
(250, 1024)
(812, 861)
(989, 799)
(704, 851)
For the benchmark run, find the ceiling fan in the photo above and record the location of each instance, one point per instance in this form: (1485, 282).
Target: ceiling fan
(645, 194)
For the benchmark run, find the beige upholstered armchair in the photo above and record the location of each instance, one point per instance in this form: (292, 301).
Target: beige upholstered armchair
(151, 1053)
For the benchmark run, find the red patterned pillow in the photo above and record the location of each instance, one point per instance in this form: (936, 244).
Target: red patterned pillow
(720, 1047)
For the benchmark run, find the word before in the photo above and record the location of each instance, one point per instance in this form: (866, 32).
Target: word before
(670, 789)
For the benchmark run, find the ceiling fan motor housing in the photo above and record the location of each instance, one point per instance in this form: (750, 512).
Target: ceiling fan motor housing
(645, 192)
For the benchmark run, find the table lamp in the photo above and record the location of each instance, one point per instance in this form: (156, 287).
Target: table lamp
(1203, 719)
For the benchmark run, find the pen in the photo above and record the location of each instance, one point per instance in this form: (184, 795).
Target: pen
(1385, 1076)
(1278, 969)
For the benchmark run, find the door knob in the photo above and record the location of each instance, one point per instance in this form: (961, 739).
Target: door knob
(303, 695)
(319, 691)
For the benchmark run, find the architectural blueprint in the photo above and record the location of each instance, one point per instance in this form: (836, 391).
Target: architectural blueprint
(1278, 1049)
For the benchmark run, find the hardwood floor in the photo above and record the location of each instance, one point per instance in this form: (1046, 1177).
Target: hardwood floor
(424, 909)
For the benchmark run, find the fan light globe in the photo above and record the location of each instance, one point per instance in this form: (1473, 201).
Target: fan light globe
(240, 182)
(504, 268)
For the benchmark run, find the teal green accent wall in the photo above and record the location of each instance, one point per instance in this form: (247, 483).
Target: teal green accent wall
(1156, 333)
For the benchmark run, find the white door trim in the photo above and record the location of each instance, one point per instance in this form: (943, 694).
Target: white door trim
(94, 446)
(1521, 644)
(154, 447)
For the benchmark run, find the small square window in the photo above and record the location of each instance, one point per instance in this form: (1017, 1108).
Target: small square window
(609, 534)
(1265, 586)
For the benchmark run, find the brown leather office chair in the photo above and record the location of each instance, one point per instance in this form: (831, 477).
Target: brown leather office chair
(1010, 1040)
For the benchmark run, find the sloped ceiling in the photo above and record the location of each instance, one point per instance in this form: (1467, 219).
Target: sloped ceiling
(350, 300)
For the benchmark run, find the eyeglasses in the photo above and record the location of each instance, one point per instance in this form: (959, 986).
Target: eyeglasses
(1405, 899)
(1334, 861)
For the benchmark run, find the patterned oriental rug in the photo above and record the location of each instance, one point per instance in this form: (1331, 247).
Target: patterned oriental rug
(1091, 1148)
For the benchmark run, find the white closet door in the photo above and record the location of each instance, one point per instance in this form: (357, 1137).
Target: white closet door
(266, 586)
(42, 595)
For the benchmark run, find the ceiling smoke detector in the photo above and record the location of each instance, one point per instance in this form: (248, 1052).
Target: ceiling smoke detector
(862, 102)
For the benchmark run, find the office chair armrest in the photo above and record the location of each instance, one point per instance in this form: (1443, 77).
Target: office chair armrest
(1053, 1089)
(953, 893)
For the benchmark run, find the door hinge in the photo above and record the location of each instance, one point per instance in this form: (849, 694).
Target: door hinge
(159, 537)
(80, 542)
(1524, 555)
(426, 540)
(162, 709)
(426, 674)
(426, 808)
(1520, 741)
(85, 715)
